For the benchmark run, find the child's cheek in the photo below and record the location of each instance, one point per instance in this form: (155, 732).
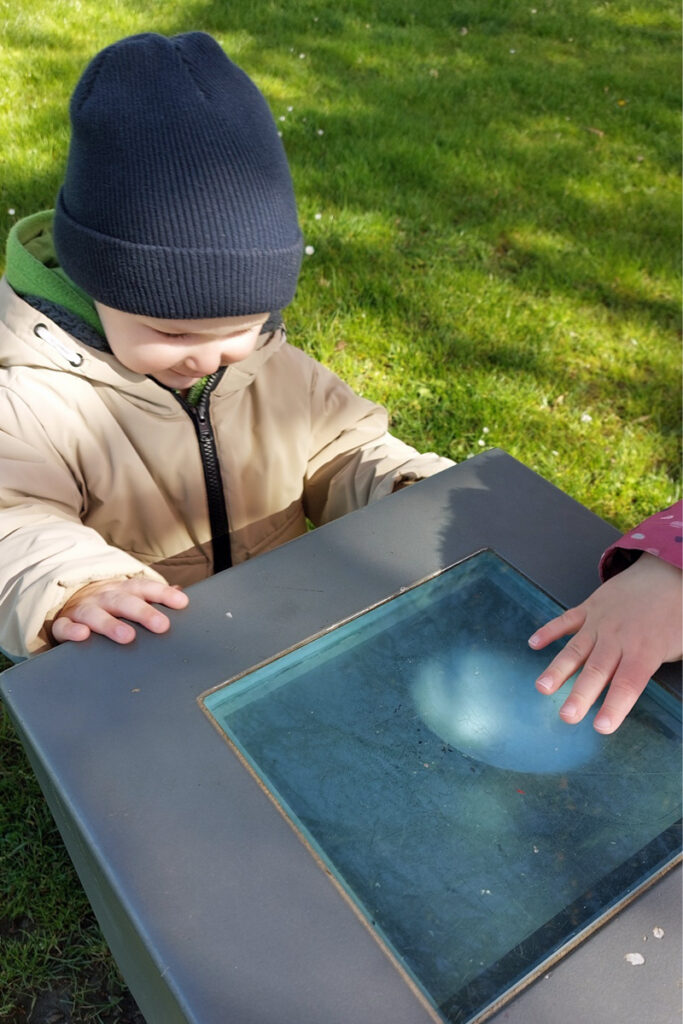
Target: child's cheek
(157, 357)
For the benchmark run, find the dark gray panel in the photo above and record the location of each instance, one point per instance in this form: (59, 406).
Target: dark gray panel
(210, 903)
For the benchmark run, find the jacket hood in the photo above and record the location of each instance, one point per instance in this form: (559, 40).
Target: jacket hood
(33, 269)
(30, 339)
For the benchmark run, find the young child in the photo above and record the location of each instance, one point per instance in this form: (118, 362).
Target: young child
(155, 426)
(626, 628)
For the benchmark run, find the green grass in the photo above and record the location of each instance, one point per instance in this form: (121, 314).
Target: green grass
(492, 192)
(49, 939)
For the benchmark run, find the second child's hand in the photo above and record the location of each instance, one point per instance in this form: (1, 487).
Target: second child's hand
(622, 634)
(101, 606)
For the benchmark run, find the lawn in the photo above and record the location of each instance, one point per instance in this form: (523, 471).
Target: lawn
(490, 196)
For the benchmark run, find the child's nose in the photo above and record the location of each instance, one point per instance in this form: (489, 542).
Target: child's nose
(204, 361)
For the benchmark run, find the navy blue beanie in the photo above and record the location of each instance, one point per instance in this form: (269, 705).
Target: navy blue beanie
(177, 201)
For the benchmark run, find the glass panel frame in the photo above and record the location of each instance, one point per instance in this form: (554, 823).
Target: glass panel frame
(406, 731)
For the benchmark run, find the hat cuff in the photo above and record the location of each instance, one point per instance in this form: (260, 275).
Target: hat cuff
(158, 281)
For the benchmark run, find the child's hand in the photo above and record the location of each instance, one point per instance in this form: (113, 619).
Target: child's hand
(95, 609)
(623, 633)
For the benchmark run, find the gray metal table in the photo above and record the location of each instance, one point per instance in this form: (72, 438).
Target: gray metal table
(213, 908)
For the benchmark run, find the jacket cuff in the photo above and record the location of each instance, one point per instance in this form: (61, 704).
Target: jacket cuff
(660, 535)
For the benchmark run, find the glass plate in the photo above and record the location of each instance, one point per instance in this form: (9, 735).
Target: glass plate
(477, 833)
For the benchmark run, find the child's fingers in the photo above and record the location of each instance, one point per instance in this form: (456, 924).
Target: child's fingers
(628, 682)
(148, 590)
(570, 621)
(100, 620)
(105, 616)
(599, 668)
(569, 660)
(161, 593)
(176, 598)
(137, 609)
(100, 608)
(64, 629)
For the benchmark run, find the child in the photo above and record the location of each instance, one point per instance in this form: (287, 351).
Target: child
(626, 628)
(155, 425)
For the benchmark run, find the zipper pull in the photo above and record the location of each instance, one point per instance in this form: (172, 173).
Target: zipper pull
(203, 422)
(201, 409)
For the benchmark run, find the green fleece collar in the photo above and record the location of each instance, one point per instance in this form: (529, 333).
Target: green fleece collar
(33, 269)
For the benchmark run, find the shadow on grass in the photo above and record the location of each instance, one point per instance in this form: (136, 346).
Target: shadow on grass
(467, 132)
(528, 154)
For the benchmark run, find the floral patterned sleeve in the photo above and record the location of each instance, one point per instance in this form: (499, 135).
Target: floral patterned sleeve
(660, 535)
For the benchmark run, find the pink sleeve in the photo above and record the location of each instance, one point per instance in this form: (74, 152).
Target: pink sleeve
(661, 535)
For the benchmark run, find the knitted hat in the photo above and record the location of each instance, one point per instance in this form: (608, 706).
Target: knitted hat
(177, 201)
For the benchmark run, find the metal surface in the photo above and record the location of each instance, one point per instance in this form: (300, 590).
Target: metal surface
(211, 905)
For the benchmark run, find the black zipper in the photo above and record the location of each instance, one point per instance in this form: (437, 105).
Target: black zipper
(199, 414)
(218, 512)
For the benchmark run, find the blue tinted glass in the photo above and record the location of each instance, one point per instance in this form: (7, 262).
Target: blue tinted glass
(476, 831)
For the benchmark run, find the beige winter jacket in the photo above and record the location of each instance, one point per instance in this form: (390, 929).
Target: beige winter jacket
(101, 473)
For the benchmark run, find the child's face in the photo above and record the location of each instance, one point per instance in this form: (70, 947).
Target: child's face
(179, 352)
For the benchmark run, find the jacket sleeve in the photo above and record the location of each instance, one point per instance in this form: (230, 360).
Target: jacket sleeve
(660, 535)
(354, 460)
(46, 552)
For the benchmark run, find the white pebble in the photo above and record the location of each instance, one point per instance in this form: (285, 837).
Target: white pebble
(658, 933)
(309, 250)
(636, 959)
